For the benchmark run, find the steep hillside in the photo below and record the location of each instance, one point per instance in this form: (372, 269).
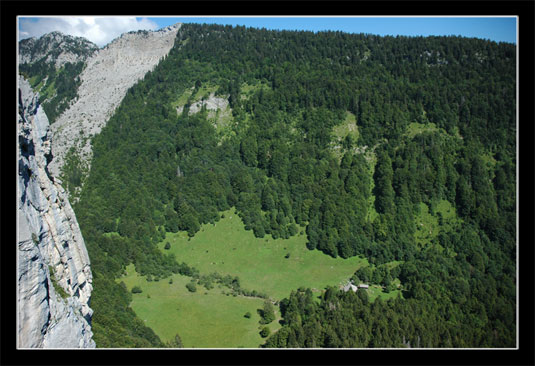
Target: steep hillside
(401, 150)
(55, 279)
(109, 73)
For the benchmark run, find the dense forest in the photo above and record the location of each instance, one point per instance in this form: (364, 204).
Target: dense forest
(436, 127)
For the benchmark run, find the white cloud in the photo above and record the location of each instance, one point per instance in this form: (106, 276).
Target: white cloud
(99, 30)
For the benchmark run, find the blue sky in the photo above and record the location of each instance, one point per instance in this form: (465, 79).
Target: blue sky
(101, 30)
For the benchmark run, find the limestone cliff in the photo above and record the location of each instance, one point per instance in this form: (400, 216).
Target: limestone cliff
(54, 274)
(108, 75)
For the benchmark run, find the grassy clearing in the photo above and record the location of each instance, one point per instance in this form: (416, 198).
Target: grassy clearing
(260, 263)
(375, 291)
(415, 128)
(348, 127)
(222, 120)
(48, 91)
(182, 99)
(204, 91)
(247, 90)
(203, 319)
(429, 225)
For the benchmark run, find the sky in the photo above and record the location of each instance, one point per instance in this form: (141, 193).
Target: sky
(102, 30)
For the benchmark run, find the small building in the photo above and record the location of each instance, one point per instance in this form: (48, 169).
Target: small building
(362, 285)
(350, 286)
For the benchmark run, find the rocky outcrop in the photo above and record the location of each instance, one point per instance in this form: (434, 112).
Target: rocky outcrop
(56, 48)
(107, 77)
(211, 103)
(54, 274)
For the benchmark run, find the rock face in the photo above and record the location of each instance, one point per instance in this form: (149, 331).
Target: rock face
(108, 75)
(212, 103)
(51, 250)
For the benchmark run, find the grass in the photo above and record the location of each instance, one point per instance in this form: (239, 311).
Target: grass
(182, 99)
(203, 319)
(64, 295)
(375, 291)
(260, 263)
(348, 127)
(339, 133)
(428, 226)
(215, 318)
(204, 91)
(415, 128)
(49, 90)
(222, 120)
(247, 90)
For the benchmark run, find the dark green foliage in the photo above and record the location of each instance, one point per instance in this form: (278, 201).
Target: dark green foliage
(136, 290)
(191, 287)
(265, 332)
(59, 290)
(167, 245)
(281, 168)
(247, 315)
(175, 343)
(73, 173)
(384, 194)
(65, 83)
(267, 313)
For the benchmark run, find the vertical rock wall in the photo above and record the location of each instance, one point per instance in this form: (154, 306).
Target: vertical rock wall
(51, 250)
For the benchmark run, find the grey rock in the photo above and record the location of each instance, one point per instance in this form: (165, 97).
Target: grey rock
(48, 238)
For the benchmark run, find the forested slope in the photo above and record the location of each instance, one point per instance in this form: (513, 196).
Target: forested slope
(435, 127)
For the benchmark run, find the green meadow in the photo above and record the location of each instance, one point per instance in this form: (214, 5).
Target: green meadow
(203, 319)
(215, 318)
(260, 263)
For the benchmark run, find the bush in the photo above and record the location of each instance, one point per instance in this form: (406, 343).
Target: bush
(247, 315)
(136, 290)
(267, 312)
(265, 332)
(167, 245)
(191, 287)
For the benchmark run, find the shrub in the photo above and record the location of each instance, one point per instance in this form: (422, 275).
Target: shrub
(191, 287)
(167, 245)
(136, 290)
(247, 315)
(55, 283)
(265, 332)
